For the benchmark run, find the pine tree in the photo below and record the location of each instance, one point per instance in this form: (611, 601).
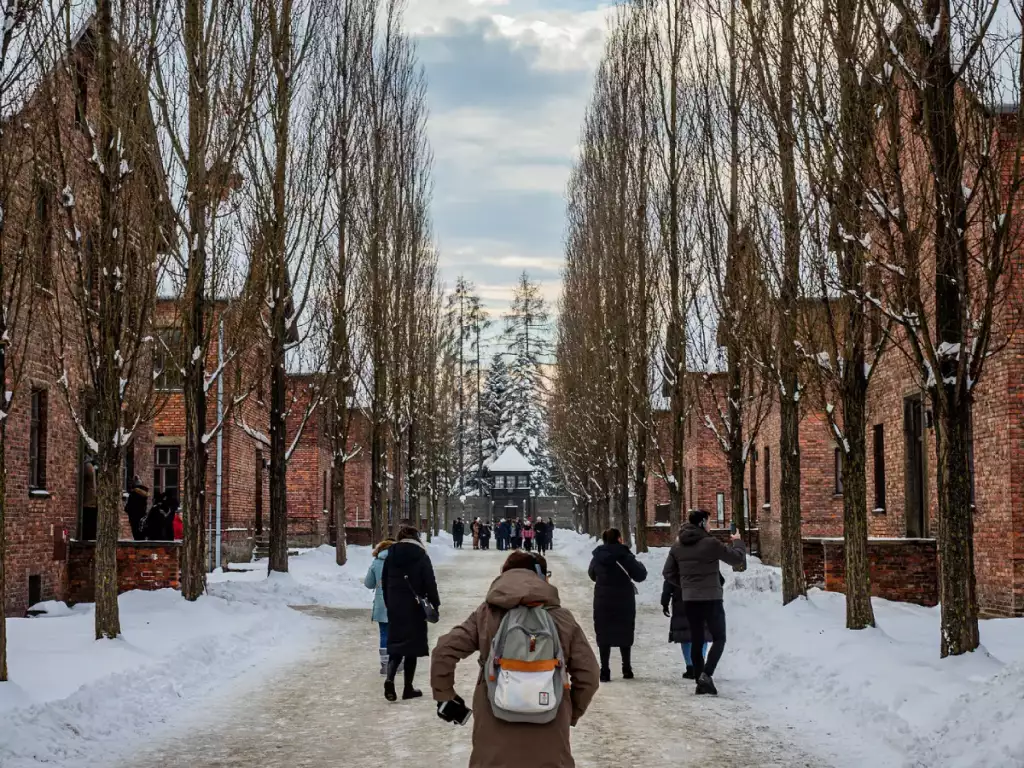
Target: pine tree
(494, 407)
(468, 320)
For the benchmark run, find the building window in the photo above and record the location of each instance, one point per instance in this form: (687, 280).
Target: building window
(767, 476)
(837, 468)
(166, 470)
(879, 435)
(81, 95)
(35, 589)
(44, 237)
(167, 374)
(325, 492)
(720, 502)
(499, 482)
(746, 505)
(129, 467)
(37, 442)
(662, 513)
(524, 481)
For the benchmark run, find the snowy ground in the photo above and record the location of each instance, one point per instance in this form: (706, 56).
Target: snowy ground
(75, 701)
(254, 682)
(880, 696)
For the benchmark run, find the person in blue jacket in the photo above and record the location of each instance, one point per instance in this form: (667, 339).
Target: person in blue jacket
(380, 611)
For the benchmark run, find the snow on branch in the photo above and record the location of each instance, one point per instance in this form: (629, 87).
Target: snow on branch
(255, 434)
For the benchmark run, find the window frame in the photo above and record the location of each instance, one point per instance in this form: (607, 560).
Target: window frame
(163, 357)
(37, 440)
(768, 476)
(878, 458)
(837, 470)
(720, 507)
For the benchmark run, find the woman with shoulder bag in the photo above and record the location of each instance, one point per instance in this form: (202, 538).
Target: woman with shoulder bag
(614, 569)
(411, 599)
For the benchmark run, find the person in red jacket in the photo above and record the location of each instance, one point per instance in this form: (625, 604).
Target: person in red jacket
(179, 527)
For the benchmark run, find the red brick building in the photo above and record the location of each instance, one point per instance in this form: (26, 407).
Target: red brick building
(45, 454)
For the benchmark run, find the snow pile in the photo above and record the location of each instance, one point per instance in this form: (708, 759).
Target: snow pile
(883, 693)
(75, 701)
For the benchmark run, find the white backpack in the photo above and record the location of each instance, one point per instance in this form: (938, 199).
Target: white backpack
(526, 675)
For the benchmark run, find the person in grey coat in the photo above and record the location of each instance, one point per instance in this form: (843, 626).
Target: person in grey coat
(693, 565)
(380, 611)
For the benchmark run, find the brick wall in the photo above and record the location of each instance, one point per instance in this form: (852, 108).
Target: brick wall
(308, 469)
(905, 570)
(146, 565)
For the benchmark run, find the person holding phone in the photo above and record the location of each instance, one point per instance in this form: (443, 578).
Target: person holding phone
(613, 569)
(407, 578)
(693, 565)
(498, 743)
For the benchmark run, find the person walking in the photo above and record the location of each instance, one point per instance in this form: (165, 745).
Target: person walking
(485, 536)
(528, 534)
(375, 580)
(693, 564)
(475, 528)
(498, 743)
(458, 532)
(679, 627)
(540, 531)
(407, 578)
(613, 569)
(551, 533)
(517, 534)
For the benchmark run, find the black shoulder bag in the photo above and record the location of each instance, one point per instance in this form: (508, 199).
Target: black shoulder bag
(430, 612)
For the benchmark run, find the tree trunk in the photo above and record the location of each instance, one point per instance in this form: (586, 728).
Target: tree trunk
(793, 584)
(640, 488)
(193, 567)
(108, 496)
(956, 532)
(859, 613)
(340, 517)
(278, 449)
(3, 529)
(621, 499)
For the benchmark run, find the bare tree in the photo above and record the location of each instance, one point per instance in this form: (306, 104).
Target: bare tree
(25, 236)
(102, 306)
(946, 187)
(287, 217)
(206, 81)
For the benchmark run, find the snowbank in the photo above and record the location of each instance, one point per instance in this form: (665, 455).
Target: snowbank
(883, 693)
(75, 701)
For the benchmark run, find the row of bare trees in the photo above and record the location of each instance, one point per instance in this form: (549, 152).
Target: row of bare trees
(265, 165)
(771, 199)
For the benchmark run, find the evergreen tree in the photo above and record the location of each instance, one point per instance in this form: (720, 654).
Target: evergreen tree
(494, 407)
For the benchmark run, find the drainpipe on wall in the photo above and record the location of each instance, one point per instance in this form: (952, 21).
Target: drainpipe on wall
(220, 436)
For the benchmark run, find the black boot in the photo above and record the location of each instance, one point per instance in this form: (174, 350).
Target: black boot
(705, 685)
(627, 666)
(689, 674)
(606, 675)
(410, 672)
(389, 684)
(605, 652)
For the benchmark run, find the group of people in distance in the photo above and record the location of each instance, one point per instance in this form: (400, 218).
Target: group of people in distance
(508, 534)
(406, 597)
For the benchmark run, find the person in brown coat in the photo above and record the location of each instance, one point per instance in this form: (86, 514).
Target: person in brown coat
(496, 743)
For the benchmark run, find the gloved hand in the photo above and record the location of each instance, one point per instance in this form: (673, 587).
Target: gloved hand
(664, 610)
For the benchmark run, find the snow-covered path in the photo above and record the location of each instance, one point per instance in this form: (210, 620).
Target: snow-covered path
(330, 710)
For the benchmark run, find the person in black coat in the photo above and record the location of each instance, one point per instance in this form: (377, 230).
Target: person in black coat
(407, 574)
(541, 532)
(458, 531)
(485, 536)
(614, 569)
(135, 508)
(679, 626)
(159, 522)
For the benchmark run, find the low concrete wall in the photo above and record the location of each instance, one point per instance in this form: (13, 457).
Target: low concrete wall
(147, 565)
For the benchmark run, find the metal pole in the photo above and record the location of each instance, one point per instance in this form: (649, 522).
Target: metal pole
(220, 437)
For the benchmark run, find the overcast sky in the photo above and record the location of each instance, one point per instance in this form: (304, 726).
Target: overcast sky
(508, 84)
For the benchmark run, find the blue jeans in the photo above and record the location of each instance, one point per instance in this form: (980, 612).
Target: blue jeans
(383, 627)
(688, 656)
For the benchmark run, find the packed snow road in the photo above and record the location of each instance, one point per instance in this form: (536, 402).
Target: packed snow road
(330, 710)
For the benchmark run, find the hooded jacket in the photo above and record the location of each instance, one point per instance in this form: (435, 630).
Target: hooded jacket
(614, 568)
(408, 573)
(693, 563)
(374, 579)
(497, 744)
